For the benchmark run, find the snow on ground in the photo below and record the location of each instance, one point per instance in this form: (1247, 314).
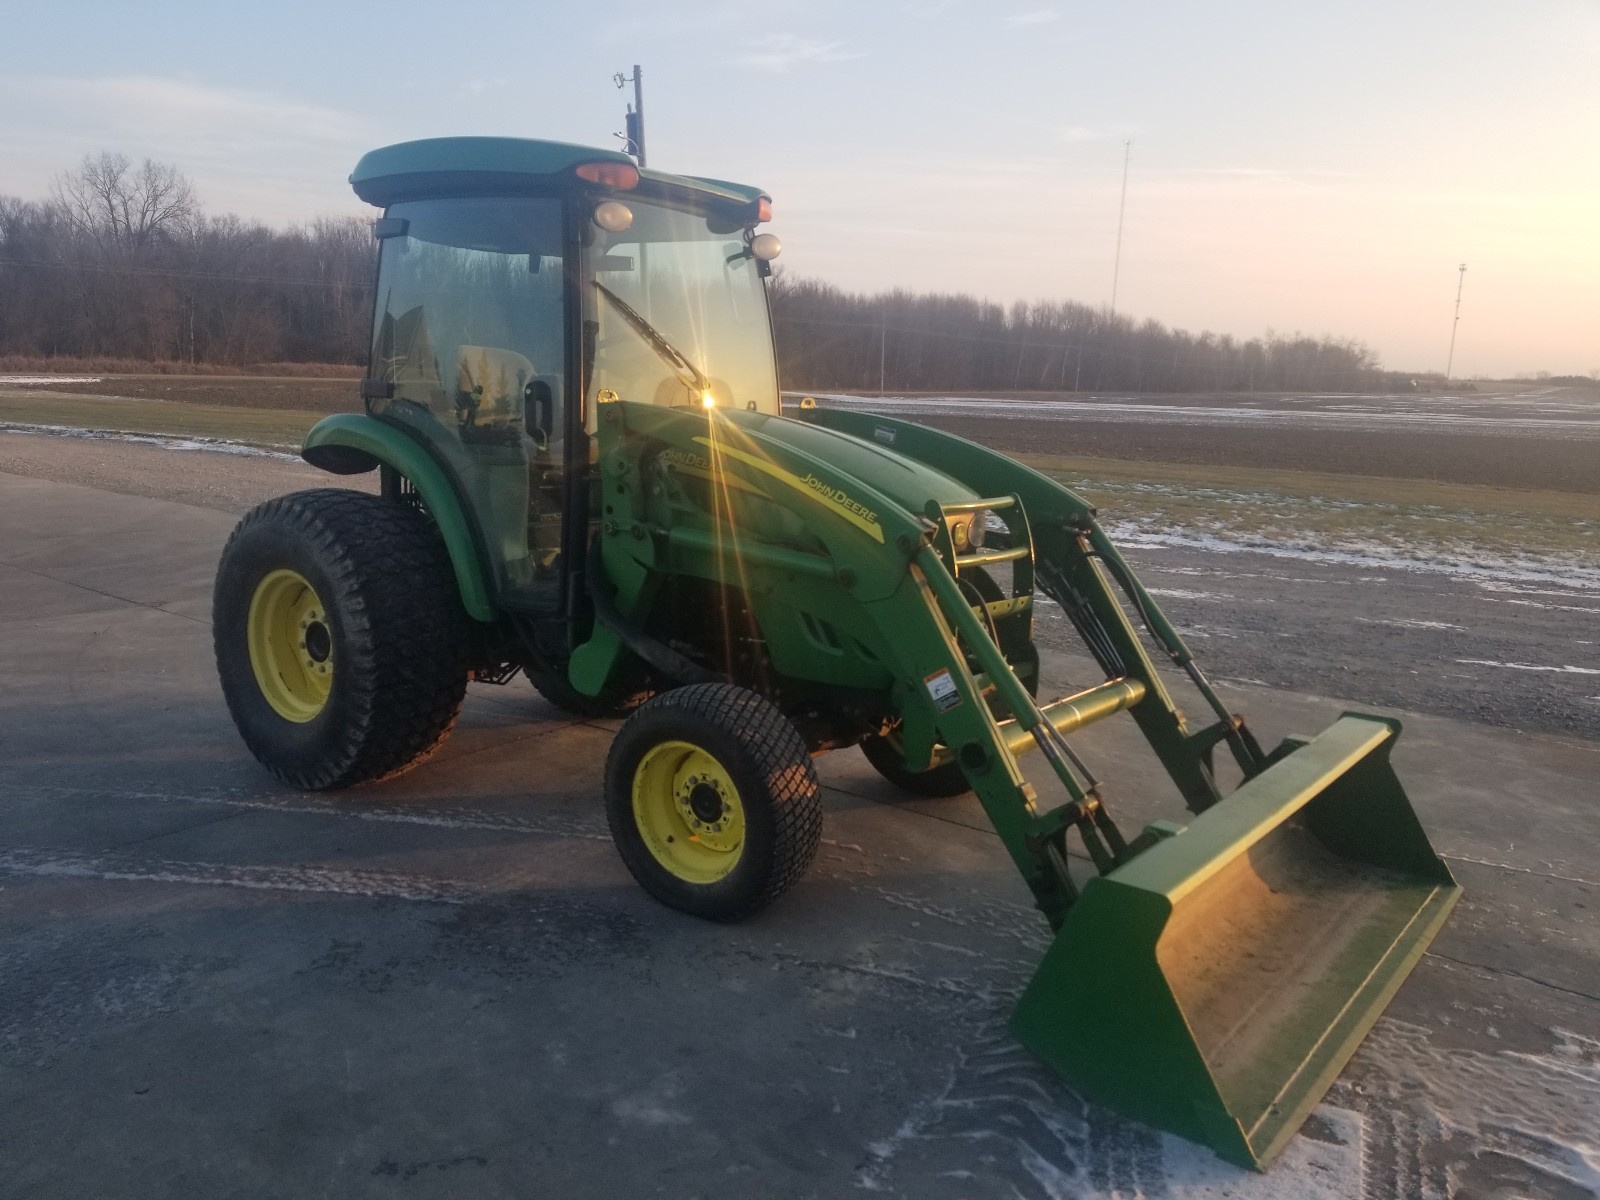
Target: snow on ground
(35, 380)
(1420, 558)
(1001, 1112)
(214, 445)
(1516, 666)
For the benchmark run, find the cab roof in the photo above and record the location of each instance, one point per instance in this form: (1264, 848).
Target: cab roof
(453, 165)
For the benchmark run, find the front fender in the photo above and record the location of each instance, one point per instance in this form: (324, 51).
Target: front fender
(352, 443)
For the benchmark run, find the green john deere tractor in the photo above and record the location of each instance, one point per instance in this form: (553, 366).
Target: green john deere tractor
(586, 475)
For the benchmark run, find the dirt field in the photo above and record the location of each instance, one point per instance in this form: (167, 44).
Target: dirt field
(310, 395)
(1512, 436)
(1468, 459)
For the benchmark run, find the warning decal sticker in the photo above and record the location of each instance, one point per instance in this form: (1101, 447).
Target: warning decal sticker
(942, 688)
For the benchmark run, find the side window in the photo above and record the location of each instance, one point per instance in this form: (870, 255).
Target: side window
(469, 330)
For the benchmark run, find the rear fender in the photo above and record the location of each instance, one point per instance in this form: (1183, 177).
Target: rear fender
(352, 443)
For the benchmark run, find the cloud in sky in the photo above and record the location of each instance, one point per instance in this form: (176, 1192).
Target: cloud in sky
(1074, 134)
(1033, 16)
(252, 152)
(181, 111)
(778, 52)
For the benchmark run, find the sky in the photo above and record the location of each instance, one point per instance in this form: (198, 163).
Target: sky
(1302, 168)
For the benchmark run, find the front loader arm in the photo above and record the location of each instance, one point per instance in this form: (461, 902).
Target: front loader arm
(1076, 565)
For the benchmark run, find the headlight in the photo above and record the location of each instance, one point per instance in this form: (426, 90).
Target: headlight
(966, 533)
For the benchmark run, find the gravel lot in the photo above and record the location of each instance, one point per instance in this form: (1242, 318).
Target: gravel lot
(446, 985)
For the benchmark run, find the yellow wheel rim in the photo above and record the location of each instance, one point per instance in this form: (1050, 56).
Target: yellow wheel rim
(291, 645)
(688, 811)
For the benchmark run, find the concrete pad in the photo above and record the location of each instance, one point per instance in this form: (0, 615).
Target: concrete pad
(448, 984)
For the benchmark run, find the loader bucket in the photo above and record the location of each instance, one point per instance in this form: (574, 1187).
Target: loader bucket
(1215, 985)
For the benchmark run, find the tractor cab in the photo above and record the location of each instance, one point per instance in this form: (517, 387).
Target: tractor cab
(522, 285)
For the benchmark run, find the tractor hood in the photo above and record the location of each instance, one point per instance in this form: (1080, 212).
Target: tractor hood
(907, 482)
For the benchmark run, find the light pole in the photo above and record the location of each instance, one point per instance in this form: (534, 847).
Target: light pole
(1122, 208)
(634, 137)
(1461, 282)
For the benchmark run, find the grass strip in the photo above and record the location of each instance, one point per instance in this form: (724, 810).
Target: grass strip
(272, 429)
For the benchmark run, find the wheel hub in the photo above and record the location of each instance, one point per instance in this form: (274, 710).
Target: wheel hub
(291, 645)
(318, 643)
(688, 810)
(705, 803)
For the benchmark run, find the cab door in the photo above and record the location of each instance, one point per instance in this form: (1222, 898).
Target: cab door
(470, 331)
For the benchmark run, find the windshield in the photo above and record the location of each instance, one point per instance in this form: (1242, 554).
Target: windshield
(678, 309)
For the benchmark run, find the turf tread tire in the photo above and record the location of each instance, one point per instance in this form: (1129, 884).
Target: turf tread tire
(767, 760)
(399, 635)
(561, 694)
(939, 783)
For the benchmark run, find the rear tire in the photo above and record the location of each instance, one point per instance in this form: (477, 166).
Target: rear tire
(340, 640)
(713, 801)
(561, 694)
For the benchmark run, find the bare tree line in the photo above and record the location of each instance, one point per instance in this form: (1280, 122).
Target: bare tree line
(121, 261)
(833, 339)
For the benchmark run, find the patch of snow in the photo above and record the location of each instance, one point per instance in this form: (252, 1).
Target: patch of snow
(1408, 623)
(1184, 594)
(214, 445)
(1544, 605)
(1536, 1108)
(32, 380)
(1002, 1108)
(1507, 587)
(1512, 666)
(1218, 573)
(1140, 536)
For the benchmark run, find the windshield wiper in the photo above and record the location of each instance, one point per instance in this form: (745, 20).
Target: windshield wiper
(667, 352)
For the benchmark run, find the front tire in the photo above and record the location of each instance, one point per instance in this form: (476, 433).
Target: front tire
(340, 641)
(713, 801)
